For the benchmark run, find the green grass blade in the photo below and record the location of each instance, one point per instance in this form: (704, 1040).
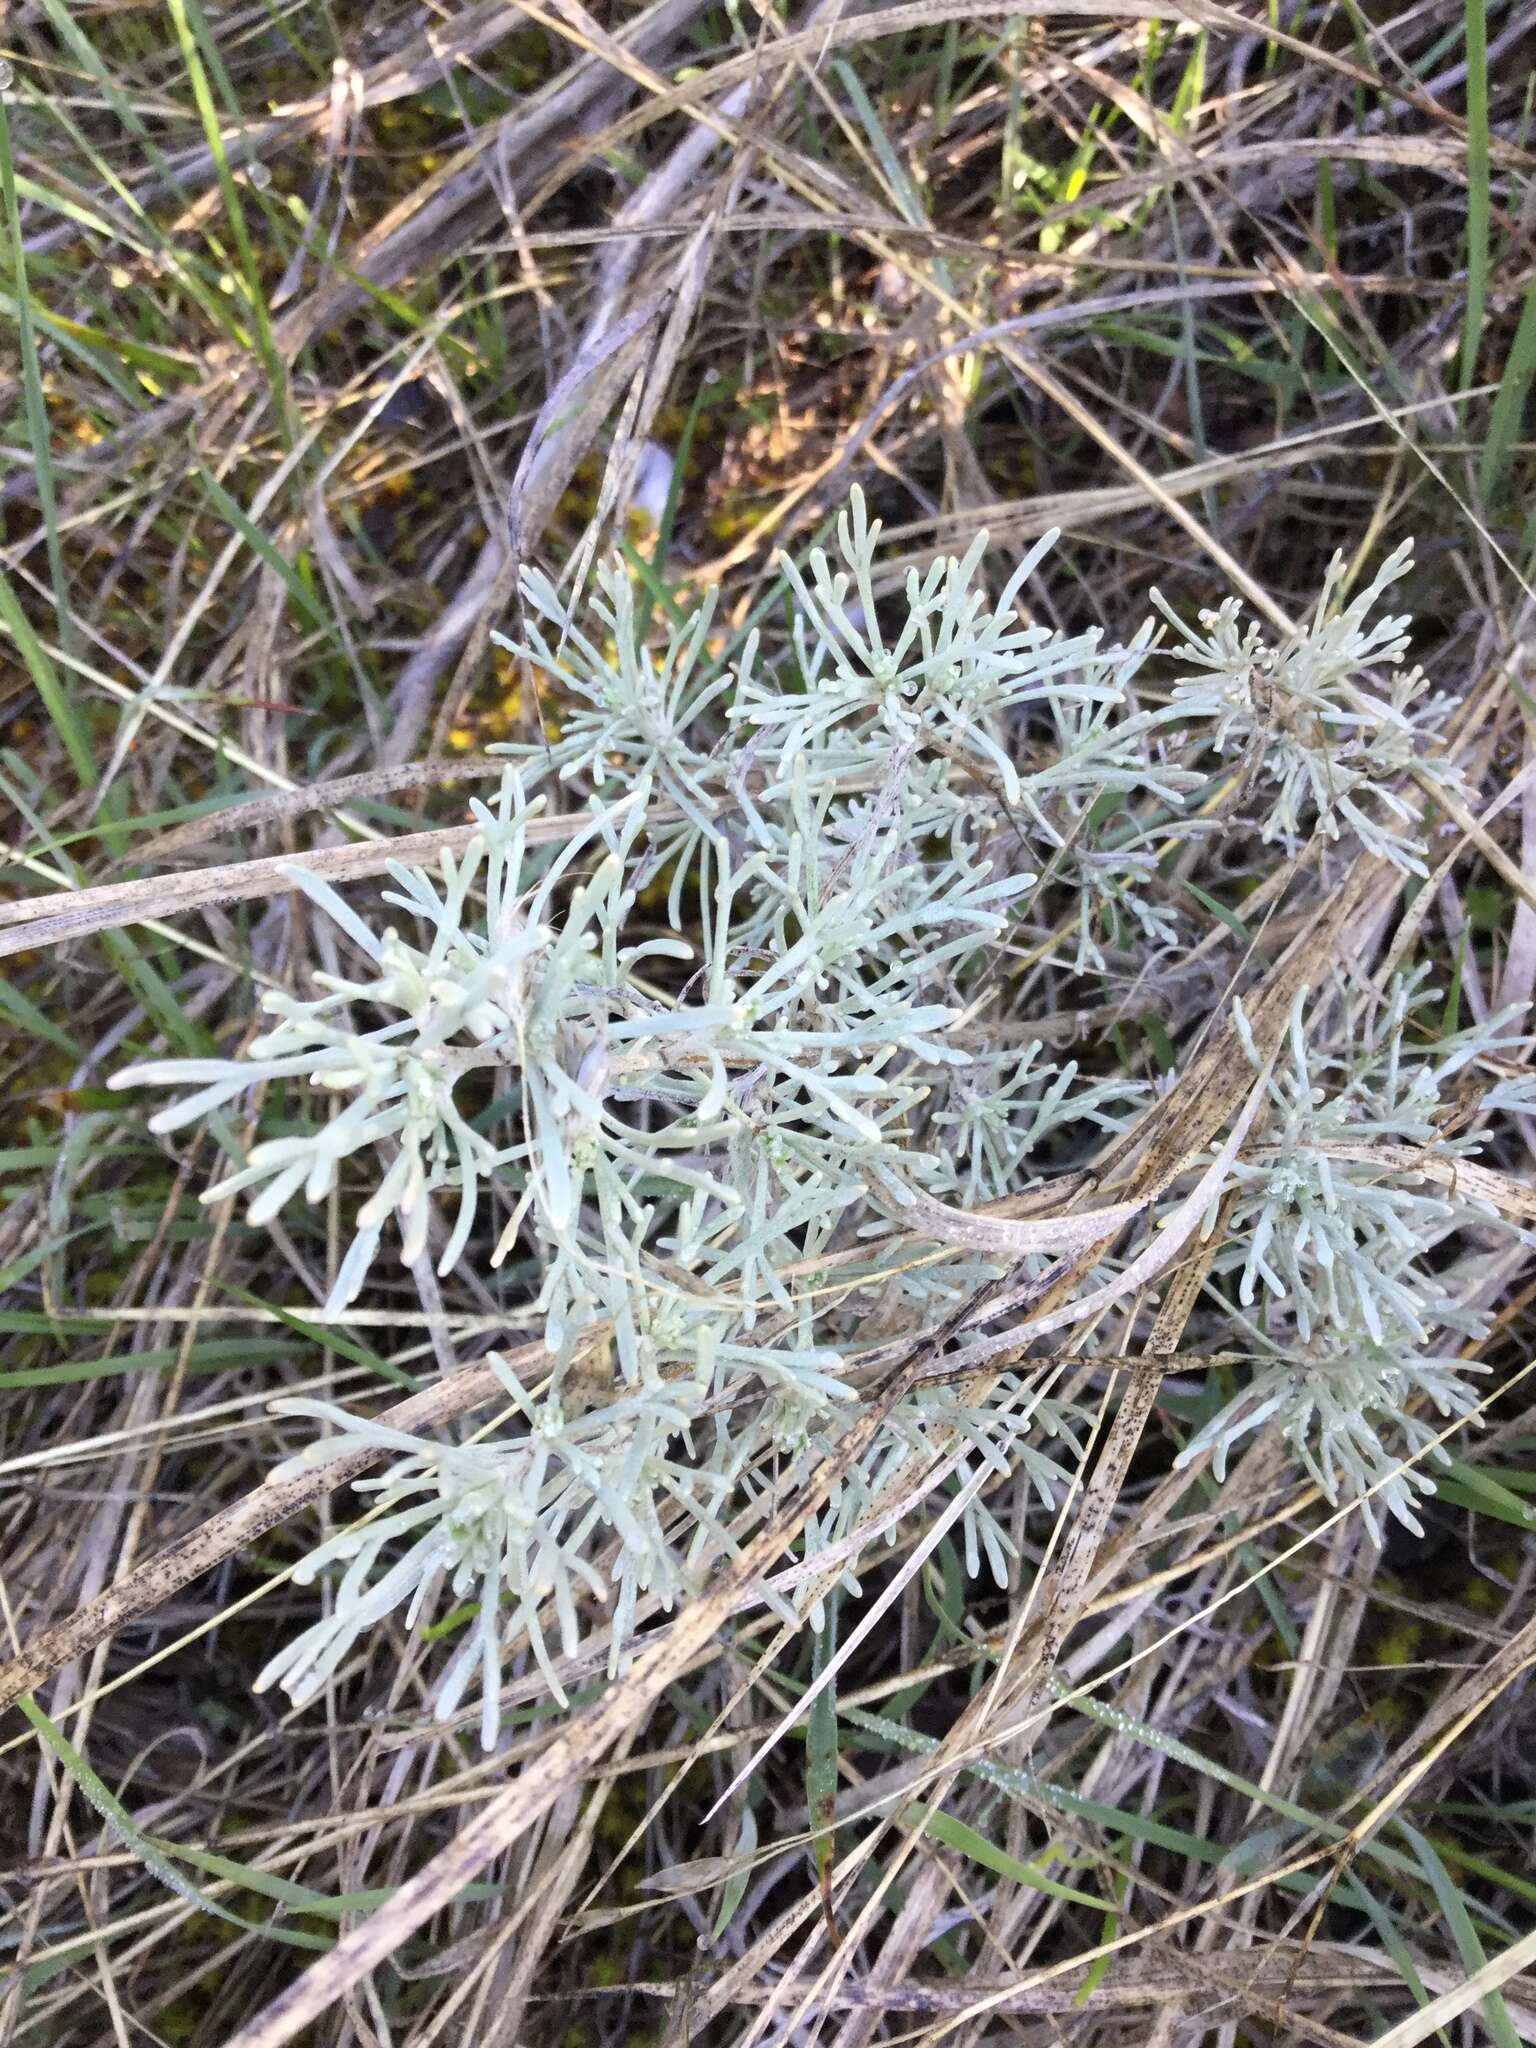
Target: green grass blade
(821, 1758)
(1478, 209)
(144, 1847)
(1473, 1955)
(1509, 404)
(192, 34)
(39, 431)
(57, 701)
(967, 1841)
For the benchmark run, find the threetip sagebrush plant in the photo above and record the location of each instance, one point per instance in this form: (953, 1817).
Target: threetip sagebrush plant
(685, 1085)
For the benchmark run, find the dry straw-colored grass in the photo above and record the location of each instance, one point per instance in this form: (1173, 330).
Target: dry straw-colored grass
(1214, 289)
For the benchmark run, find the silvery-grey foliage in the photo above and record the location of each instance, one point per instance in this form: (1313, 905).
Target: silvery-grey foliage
(511, 1520)
(1323, 1220)
(698, 1146)
(1328, 744)
(1335, 1227)
(1001, 1107)
(1348, 1403)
